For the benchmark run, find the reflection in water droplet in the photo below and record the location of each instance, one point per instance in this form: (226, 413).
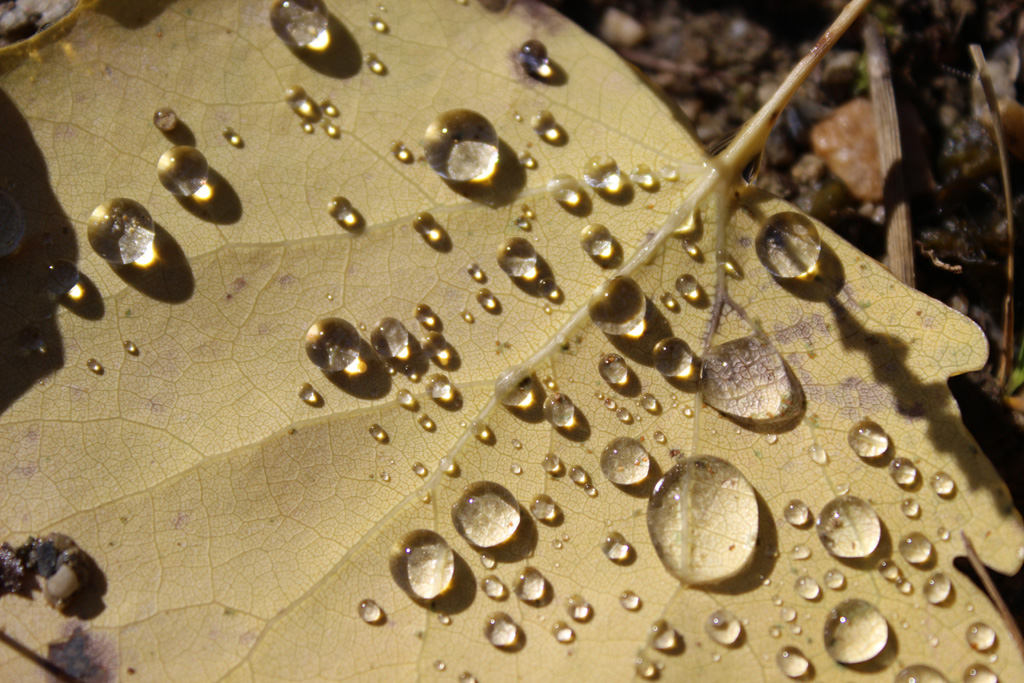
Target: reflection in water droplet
(797, 513)
(518, 258)
(613, 369)
(441, 389)
(552, 464)
(703, 520)
(462, 145)
(603, 174)
(643, 176)
(868, 439)
(792, 662)
(131, 348)
(747, 379)
(378, 433)
(911, 508)
(855, 632)
(673, 358)
(501, 631)
(426, 317)
(903, 472)
(487, 299)
(807, 588)
(916, 548)
(565, 190)
(559, 410)
(943, 485)
(849, 527)
(531, 585)
(533, 55)
(723, 627)
(309, 395)
(165, 119)
(625, 462)
(94, 366)
(514, 389)
(579, 476)
(616, 548)
(425, 561)
(563, 632)
(979, 673)
(578, 608)
(299, 23)
(341, 210)
(332, 344)
(835, 579)
(544, 124)
(374, 64)
(378, 24)
(981, 637)
(370, 612)
(390, 339)
(493, 588)
(183, 170)
(121, 231)
(598, 243)
(649, 403)
(663, 636)
(630, 601)
(800, 552)
(618, 306)
(788, 245)
(937, 588)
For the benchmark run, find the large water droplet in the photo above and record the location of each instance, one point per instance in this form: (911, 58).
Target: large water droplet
(723, 627)
(919, 673)
(618, 306)
(748, 380)
(625, 462)
(518, 258)
(703, 520)
(788, 245)
(501, 631)
(855, 632)
(486, 515)
(299, 23)
(868, 439)
(390, 339)
(603, 174)
(533, 55)
(332, 344)
(938, 588)
(423, 563)
(183, 170)
(121, 231)
(916, 548)
(370, 612)
(981, 637)
(849, 527)
(673, 358)
(531, 587)
(544, 508)
(791, 662)
(462, 145)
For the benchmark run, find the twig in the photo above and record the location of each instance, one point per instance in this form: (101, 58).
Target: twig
(1006, 358)
(993, 593)
(899, 243)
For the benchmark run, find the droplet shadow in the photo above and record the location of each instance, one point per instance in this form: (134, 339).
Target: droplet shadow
(531, 287)
(373, 382)
(502, 188)
(89, 302)
(168, 277)
(130, 14)
(643, 489)
(582, 208)
(622, 197)
(342, 57)
(521, 545)
(181, 134)
(87, 603)
(223, 207)
(579, 430)
(641, 349)
(824, 281)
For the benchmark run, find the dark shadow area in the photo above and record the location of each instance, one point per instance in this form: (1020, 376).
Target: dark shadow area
(181, 134)
(342, 57)
(89, 302)
(168, 278)
(582, 208)
(58, 673)
(87, 603)
(688, 384)
(223, 207)
(533, 411)
(883, 660)
(452, 405)
(763, 562)
(502, 188)
(30, 342)
(373, 382)
(131, 13)
(824, 282)
(643, 489)
(623, 197)
(641, 349)
(521, 545)
(612, 260)
(579, 430)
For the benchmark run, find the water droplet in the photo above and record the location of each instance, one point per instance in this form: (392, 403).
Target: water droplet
(378, 24)
(613, 369)
(559, 410)
(938, 588)
(647, 668)
(518, 258)
(579, 476)
(514, 388)
(302, 104)
(427, 318)
(911, 508)
(788, 245)
(625, 462)
(165, 119)
(494, 588)
(689, 288)
(121, 231)
(603, 174)
(687, 412)
(723, 627)
(527, 160)
(441, 389)
(943, 485)
(849, 527)
(889, 570)
(310, 396)
(533, 56)
(402, 153)
(531, 587)
(618, 306)
(548, 288)
(332, 345)
(649, 403)
(233, 138)
(342, 211)
(669, 302)
(916, 548)
(476, 272)
(374, 64)
(807, 588)
(565, 190)
(919, 673)
(577, 607)
(703, 520)
(903, 472)
(663, 636)
(544, 508)
(800, 552)
(868, 439)
(183, 170)
(979, 673)
(616, 548)
(94, 366)
(61, 278)
(423, 563)
(797, 513)
(308, 128)
(487, 299)
(673, 358)
(981, 637)
(818, 454)
(426, 423)
(544, 124)
(630, 601)
(552, 464)
(598, 243)
(465, 676)
(407, 400)
(563, 632)
(130, 347)
(378, 433)
(461, 145)
(439, 665)
(390, 339)
(300, 23)
(501, 631)
(747, 379)
(855, 632)
(792, 662)
(643, 176)
(835, 579)
(370, 612)
(659, 437)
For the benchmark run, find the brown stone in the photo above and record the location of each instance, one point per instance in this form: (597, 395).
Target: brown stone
(846, 141)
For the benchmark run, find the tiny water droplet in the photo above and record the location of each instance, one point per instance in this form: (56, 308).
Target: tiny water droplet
(800, 552)
(559, 410)
(792, 662)
(517, 257)
(378, 24)
(342, 211)
(920, 673)
(461, 145)
(797, 513)
(647, 668)
(578, 608)
(643, 176)
(669, 302)
(183, 170)
(613, 369)
(943, 485)
(747, 379)
(659, 437)
(545, 125)
(121, 231)
(426, 317)
(165, 119)
(807, 588)
(130, 348)
(603, 174)
(868, 439)
(818, 454)
(788, 245)
(401, 153)
(689, 288)
(493, 588)
(370, 612)
(482, 432)
(911, 508)
(94, 366)
(487, 299)
(849, 527)
(616, 548)
(328, 108)
(889, 570)
(835, 579)
(501, 631)
(407, 400)
(903, 472)
(915, 548)
(673, 358)
(488, 561)
(476, 272)
(390, 339)
(299, 23)
(531, 587)
(723, 627)
(981, 637)
(938, 588)
(423, 563)
(441, 389)
(468, 317)
(979, 673)
(618, 306)
(374, 64)
(598, 243)
(649, 403)
(552, 464)
(309, 395)
(544, 508)
(62, 277)
(533, 56)
(426, 423)
(378, 433)
(563, 632)
(579, 476)
(527, 160)
(233, 138)
(855, 631)
(333, 344)
(630, 601)
(625, 461)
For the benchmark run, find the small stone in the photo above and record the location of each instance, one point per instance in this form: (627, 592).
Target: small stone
(619, 29)
(846, 141)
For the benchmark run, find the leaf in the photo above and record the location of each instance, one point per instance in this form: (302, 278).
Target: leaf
(237, 528)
